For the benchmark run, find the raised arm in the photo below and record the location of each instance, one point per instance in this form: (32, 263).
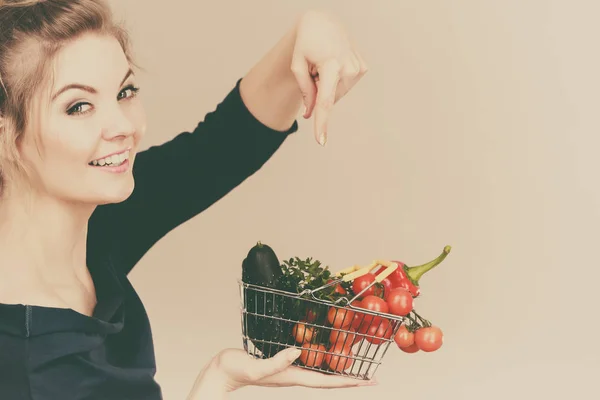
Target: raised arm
(184, 176)
(312, 65)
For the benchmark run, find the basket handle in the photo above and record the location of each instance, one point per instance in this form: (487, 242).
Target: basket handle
(356, 271)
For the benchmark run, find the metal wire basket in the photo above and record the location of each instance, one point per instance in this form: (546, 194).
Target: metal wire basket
(335, 337)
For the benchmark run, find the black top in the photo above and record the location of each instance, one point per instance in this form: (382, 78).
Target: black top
(51, 353)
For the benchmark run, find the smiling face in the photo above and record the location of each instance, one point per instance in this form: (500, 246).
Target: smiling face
(86, 125)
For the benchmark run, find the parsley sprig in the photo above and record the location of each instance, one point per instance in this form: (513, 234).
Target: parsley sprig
(301, 274)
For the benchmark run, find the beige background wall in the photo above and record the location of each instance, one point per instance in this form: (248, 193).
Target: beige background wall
(477, 126)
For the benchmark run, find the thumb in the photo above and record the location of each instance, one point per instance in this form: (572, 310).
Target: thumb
(277, 363)
(301, 70)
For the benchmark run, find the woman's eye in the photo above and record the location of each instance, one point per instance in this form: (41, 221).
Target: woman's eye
(79, 109)
(129, 91)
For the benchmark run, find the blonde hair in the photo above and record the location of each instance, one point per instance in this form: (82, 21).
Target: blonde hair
(48, 25)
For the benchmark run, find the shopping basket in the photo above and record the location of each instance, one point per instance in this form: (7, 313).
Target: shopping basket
(336, 337)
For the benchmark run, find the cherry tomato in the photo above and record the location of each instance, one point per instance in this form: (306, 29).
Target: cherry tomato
(302, 333)
(382, 331)
(311, 315)
(400, 302)
(358, 316)
(338, 289)
(343, 338)
(404, 338)
(340, 317)
(340, 360)
(310, 357)
(429, 339)
(413, 348)
(376, 304)
(362, 282)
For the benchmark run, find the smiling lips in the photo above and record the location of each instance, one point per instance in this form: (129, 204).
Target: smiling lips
(112, 161)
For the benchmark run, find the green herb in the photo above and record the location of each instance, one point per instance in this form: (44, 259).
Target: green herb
(302, 274)
(308, 274)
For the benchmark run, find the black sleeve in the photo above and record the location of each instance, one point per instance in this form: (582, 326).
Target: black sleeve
(180, 178)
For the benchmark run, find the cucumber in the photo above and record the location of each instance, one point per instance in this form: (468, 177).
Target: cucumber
(261, 267)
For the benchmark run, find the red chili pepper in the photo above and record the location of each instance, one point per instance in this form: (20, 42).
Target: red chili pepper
(408, 277)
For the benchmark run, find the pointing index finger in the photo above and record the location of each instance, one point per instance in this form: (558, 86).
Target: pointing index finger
(329, 77)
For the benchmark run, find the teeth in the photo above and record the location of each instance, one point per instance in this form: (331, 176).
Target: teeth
(113, 160)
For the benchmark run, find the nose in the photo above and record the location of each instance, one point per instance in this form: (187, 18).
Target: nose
(117, 125)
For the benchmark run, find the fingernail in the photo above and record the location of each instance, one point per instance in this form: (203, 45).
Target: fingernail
(323, 139)
(305, 111)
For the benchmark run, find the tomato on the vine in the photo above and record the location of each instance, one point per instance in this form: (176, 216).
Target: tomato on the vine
(363, 282)
(429, 338)
(400, 302)
(413, 348)
(404, 337)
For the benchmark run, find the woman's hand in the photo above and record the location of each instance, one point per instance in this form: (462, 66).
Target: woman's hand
(314, 64)
(233, 369)
(326, 66)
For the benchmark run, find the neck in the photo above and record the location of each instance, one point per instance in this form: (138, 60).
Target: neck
(41, 232)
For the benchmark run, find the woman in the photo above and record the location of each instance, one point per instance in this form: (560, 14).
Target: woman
(80, 205)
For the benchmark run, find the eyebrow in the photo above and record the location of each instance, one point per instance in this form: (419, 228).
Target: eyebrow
(86, 88)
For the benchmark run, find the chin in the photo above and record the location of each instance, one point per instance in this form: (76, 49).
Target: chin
(116, 195)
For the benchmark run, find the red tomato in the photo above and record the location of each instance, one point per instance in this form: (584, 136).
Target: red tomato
(310, 357)
(343, 338)
(358, 316)
(302, 333)
(413, 348)
(382, 331)
(340, 360)
(400, 302)
(311, 315)
(404, 338)
(362, 282)
(372, 303)
(429, 339)
(339, 289)
(375, 303)
(340, 317)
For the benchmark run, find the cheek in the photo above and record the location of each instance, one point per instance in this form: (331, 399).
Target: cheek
(69, 146)
(137, 115)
